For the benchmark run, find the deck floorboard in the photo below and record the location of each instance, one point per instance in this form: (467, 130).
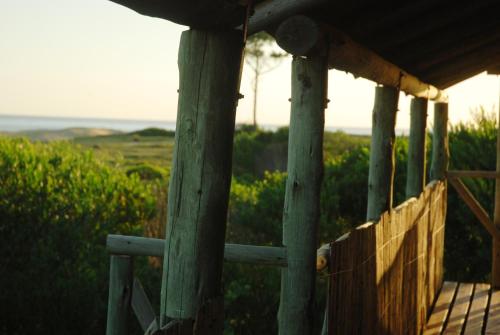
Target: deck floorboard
(465, 308)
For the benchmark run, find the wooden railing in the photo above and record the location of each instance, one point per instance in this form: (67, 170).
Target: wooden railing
(385, 275)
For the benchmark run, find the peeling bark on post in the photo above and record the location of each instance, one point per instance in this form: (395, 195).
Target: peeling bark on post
(439, 164)
(301, 209)
(415, 180)
(381, 175)
(209, 66)
(120, 295)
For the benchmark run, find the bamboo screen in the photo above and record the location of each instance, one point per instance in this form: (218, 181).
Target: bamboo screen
(385, 275)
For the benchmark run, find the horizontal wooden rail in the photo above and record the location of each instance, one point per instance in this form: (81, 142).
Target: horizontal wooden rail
(473, 174)
(142, 246)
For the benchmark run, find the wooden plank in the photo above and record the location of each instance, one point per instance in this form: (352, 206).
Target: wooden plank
(381, 174)
(477, 312)
(473, 174)
(493, 321)
(456, 320)
(142, 309)
(120, 293)
(209, 78)
(440, 153)
(302, 196)
(475, 207)
(415, 179)
(239, 253)
(441, 309)
(495, 267)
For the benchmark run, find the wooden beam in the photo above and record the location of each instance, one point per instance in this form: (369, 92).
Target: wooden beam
(475, 61)
(298, 35)
(381, 174)
(199, 14)
(440, 153)
(239, 253)
(407, 30)
(475, 207)
(143, 310)
(495, 271)
(473, 174)
(209, 67)
(272, 12)
(456, 40)
(301, 35)
(347, 55)
(120, 294)
(494, 70)
(302, 197)
(415, 180)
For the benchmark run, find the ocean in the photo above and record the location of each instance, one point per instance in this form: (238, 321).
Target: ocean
(13, 123)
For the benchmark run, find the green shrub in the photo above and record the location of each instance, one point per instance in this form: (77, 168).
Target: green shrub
(57, 205)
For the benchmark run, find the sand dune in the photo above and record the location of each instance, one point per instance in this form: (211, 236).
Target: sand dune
(62, 134)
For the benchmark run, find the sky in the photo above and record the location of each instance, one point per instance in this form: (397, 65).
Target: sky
(94, 58)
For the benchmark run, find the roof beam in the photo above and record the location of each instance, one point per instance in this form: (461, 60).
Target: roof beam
(200, 14)
(434, 20)
(456, 40)
(271, 12)
(451, 71)
(301, 36)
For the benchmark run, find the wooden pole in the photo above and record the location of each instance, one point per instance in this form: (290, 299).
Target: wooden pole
(439, 164)
(240, 253)
(301, 210)
(415, 180)
(120, 294)
(209, 67)
(381, 174)
(495, 272)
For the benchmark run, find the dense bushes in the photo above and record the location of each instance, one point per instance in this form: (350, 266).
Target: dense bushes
(57, 204)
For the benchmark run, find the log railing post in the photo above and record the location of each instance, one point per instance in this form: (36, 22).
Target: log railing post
(440, 154)
(301, 209)
(381, 174)
(120, 295)
(415, 179)
(209, 67)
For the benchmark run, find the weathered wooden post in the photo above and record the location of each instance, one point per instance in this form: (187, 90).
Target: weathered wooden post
(301, 209)
(440, 154)
(381, 175)
(120, 295)
(209, 67)
(415, 180)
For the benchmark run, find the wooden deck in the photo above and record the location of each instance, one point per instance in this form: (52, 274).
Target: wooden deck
(464, 308)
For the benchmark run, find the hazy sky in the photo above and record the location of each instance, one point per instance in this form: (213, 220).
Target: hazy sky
(94, 58)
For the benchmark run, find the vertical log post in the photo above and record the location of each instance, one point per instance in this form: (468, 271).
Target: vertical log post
(440, 154)
(301, 208)
(495, 272)
(120, 295)
(415, 180)
(209, 67)
(381, 174)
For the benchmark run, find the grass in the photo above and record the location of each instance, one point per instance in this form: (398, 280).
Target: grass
(132, 148)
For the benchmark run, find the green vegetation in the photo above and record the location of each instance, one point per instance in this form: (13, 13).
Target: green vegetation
(58, 204)
(58, 201)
